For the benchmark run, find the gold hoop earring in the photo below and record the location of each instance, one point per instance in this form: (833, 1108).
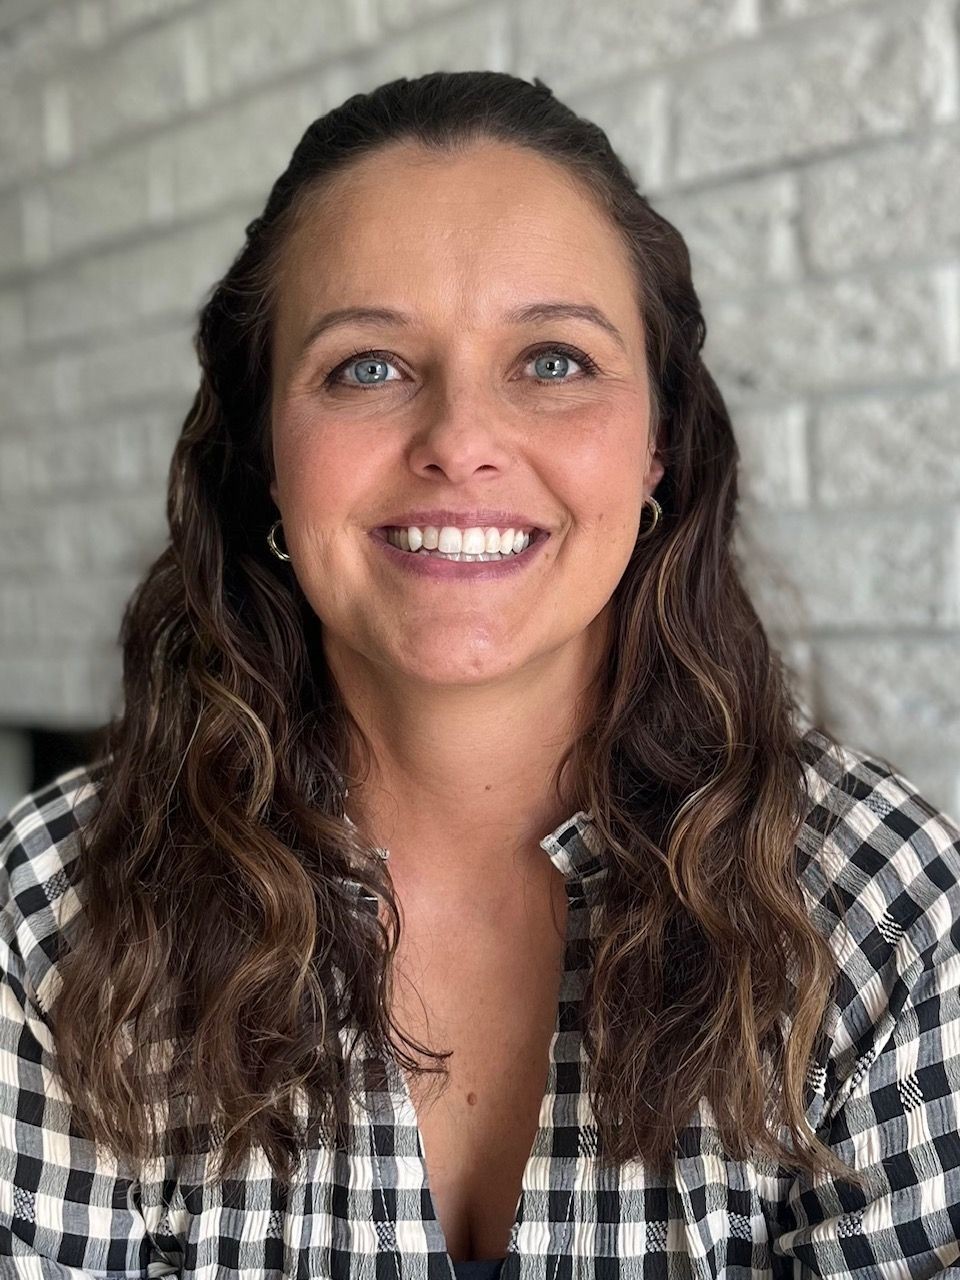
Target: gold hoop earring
(272, 541)
(657, 513)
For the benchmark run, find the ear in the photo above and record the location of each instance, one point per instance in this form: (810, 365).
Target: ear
(273, 492)
(654, 473)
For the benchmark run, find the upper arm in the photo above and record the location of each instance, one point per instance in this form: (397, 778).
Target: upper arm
(65, 1211)
(898, 1120)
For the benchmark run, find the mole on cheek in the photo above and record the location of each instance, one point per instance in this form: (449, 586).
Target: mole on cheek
(472, 1099)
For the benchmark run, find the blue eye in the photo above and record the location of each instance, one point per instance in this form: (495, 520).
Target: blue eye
(551, 361)
(371, 368)
(555, 364)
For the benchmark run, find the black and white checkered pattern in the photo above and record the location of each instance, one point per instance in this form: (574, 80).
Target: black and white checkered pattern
(885, 1094)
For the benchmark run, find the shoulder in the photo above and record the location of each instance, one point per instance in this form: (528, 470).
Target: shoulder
(880, 869)
(39, 843)
(892, 855)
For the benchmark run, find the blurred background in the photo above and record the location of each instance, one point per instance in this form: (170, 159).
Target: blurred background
(808, 150)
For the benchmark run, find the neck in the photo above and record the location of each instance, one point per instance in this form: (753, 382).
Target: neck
(461, 776)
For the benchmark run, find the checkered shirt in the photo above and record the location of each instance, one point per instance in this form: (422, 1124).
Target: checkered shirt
(883, 1092)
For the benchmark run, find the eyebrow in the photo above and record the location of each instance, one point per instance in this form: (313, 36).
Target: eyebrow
(519, 315)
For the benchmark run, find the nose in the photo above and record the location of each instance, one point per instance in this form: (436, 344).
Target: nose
(465, 431)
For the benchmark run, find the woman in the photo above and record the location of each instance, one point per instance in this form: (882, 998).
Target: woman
(450, 568)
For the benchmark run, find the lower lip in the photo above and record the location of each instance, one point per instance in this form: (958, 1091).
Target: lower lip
(460, 570)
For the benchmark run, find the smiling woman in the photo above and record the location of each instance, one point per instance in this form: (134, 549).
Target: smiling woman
(454, 751)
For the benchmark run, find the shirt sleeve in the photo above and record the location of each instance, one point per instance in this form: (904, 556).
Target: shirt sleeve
(897, 1118)
(64, 1209)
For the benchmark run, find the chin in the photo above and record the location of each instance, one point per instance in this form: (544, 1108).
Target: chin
(460, 665)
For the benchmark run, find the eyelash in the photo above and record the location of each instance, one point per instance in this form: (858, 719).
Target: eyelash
(590, 367)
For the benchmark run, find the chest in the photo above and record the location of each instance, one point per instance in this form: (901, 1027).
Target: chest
(483, 984)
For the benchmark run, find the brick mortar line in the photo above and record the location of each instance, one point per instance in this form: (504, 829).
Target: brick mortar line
(843, 391)
(26, 428)
(861, 635)
(883, 270)
(811, 477)
(756, 518)
(94, 422)
(799, 165)
(882, 635)
(145, 235)
(934, 261)
(816, 399)
(153, 497)
(82, 499)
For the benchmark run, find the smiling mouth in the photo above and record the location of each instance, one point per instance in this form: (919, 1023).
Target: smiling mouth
(392, 536)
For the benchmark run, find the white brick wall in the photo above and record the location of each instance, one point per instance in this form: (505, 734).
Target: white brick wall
(809, 150)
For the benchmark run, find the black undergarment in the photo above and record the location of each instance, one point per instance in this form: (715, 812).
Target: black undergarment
(486, 1269)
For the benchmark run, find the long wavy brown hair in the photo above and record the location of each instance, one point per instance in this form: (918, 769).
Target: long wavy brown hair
(221, 955)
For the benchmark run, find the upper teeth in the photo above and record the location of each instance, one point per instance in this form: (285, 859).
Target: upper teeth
(474, 541)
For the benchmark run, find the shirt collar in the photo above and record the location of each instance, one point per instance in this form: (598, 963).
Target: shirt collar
(573, 847)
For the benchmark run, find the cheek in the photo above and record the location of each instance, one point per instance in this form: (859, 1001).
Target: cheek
(602, 466)
(321, 475)
(319, 486)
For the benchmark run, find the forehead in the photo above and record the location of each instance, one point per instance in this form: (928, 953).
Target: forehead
(471, 232)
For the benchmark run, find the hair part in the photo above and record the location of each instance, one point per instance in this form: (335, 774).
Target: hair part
(211, 871)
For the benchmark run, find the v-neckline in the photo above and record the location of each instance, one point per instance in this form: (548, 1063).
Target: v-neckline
(406, 1111)
(573, 848)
